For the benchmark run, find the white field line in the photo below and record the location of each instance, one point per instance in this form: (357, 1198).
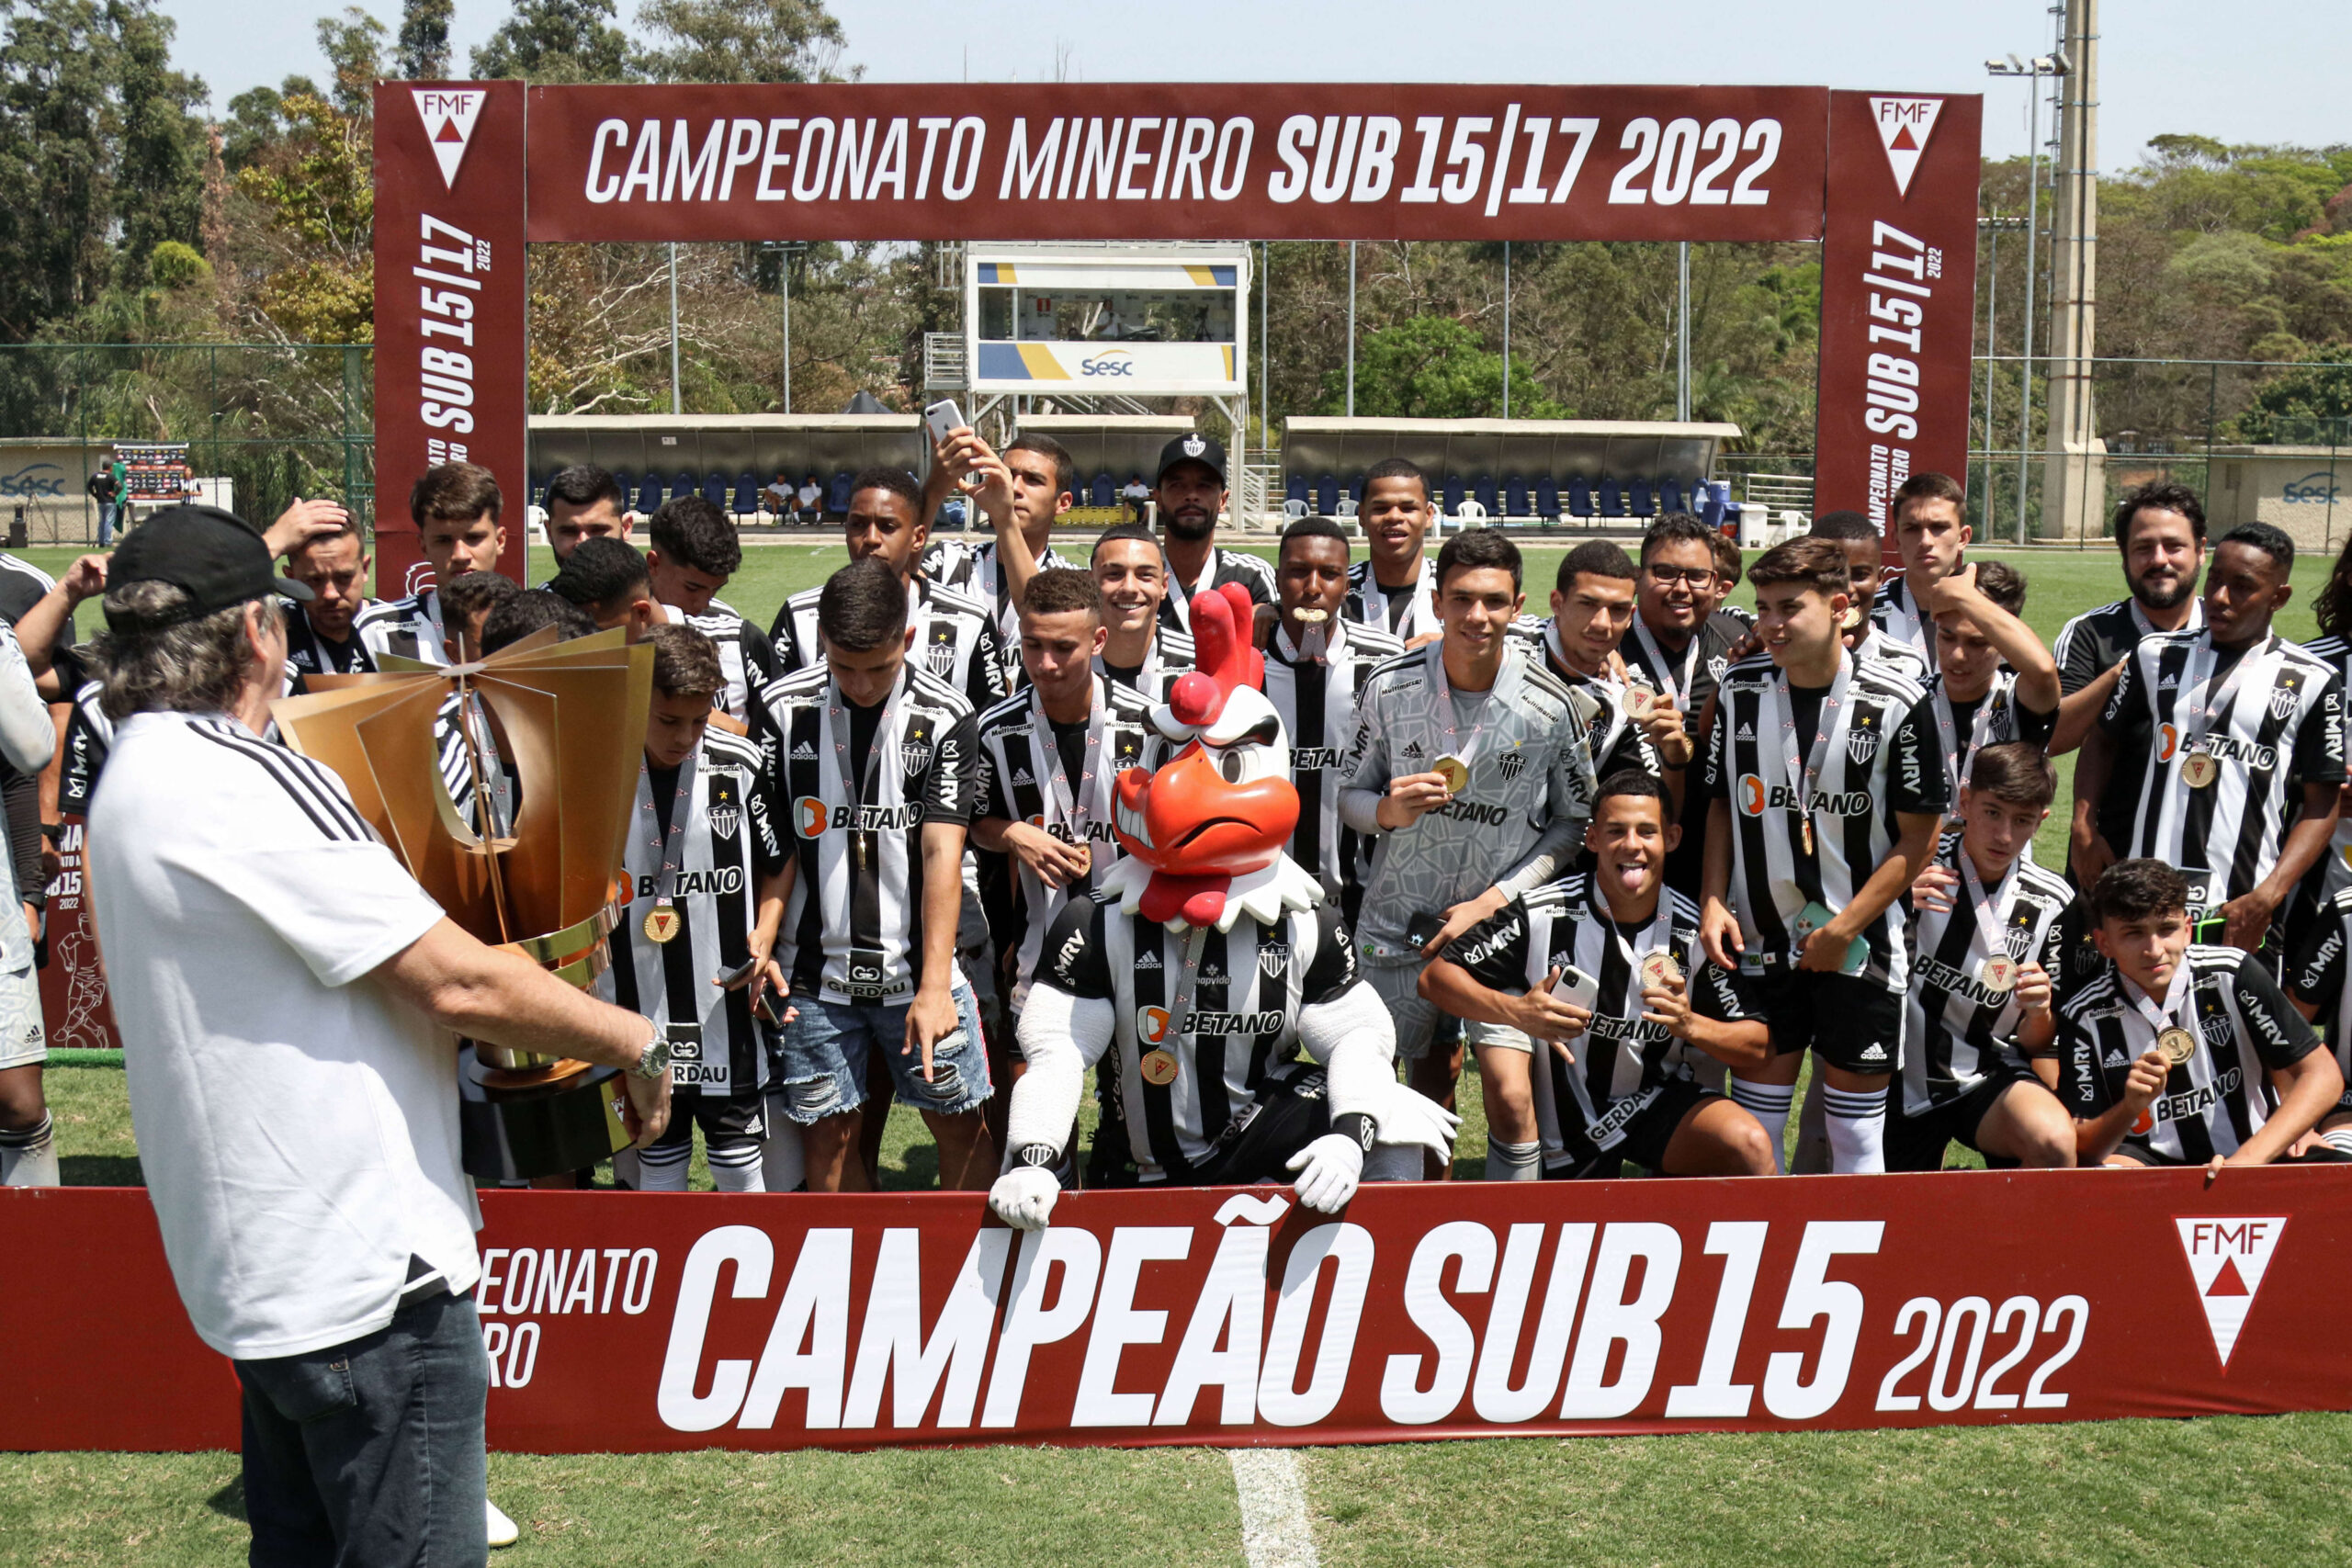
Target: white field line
(1275, 1531)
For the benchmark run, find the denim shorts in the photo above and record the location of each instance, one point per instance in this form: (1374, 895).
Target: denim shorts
(822, 1064)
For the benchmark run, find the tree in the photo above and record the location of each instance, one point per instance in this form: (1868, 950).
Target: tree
(556, 40)
(425, 40)
(316, 196)
(353, 44)
(1434, 368)
(730, 40)
(2297, 407)
(159, 186)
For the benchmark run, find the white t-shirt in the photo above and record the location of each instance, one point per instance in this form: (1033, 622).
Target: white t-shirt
(298, 1124)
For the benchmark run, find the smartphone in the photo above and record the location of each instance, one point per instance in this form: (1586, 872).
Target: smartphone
(1577, 990)
(1422, 928)
(1811, 918)
(942, 417)
(738, 975)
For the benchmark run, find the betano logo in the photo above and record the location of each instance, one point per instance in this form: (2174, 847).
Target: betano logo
(2227, 1258)
(809, 816)
(449, 118)
(1904, 126)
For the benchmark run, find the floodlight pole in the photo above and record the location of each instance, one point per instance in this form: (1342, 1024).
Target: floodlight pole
(1265, 310)
(1351, 329)
(1506, 329)
(676, 404)
(2034, 70)
(1683, 332)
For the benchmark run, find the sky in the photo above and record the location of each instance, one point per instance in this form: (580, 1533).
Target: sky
(2165, 65)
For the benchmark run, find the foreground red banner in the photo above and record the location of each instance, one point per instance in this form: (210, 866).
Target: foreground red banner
(618, 1321)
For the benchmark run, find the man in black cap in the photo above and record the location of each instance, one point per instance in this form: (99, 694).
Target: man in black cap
(269, 956)
(1190, 493)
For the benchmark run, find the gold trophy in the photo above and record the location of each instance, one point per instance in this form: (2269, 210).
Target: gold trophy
(572, 716)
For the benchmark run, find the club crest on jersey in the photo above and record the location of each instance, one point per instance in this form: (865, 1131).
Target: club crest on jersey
(1273, 958)
(1752, 795)
(2215, 1028)
(914, 754)
(2018, 941)
(809, 817)
(725, 820)
(1151, 1025)
(2282, 704)
(1861, 744)
(941, 659)
(1513, 762)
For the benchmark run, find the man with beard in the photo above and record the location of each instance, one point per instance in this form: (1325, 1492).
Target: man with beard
(1140, 653)
(1191, 492)
(1394, 590)
(319, 636)
(585, 502)
(1680, 646)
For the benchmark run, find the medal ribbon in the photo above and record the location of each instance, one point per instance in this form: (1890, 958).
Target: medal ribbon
(1990, 910)
(1066, 801)
(1469, 749)
(666, 879)
(837, 721)
(1805, 778)
(1659, 938)
(2211, 701)
(1678, 689)
(1948, 727)
(2160, 1018)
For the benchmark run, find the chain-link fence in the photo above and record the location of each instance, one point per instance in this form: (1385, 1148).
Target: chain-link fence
(275, 421)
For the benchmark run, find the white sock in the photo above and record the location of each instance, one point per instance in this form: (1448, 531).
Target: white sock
(782, 1167)
(1857, 1131)
(1513, 1162)
(735, 1167)
(662, 1168)
(1393, 1162)
(1769, 1103)
(627, 1169)
(28, 1157)
(2338, 1139)
(1811, 1156)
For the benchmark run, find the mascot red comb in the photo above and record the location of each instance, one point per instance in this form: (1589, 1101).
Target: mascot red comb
(1207, 963)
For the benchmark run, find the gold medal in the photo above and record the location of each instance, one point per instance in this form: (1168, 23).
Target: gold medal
(2198, 769)
(1998, 974)
(1454, 771)
(1637, 702)
(1804, 830)
(663, 924)
(1160, 1067)
(2177, 1044)
(1659, 972)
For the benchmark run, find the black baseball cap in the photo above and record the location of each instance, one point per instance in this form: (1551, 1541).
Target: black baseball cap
(1193, 449)
(215, 557)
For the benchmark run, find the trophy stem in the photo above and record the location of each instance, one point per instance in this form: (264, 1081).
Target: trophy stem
(485, 806)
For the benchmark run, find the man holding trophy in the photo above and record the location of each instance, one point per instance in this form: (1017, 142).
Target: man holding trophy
(294, 1081)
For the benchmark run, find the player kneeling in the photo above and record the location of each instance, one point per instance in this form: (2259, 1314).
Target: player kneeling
(1607, 966)
(1985, 943)
(1208, 960)
(2183, 1055)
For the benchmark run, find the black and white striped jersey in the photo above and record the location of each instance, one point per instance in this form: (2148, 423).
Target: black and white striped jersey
(1224, 1004)
(2337, 651)
(1849, 760)
(1962, 729)
(1615, 740)
(2245, 1029)
(1405, 613)
(405, 628)
(310, 654)
(955, 640)
(1224, 566)
(1170, 656)
(1031, 771)
(745, 657)
(1877, 647)
(721, 837)
(89, 735)
(855, 922)
(970, 567)
(1896, 613)
(2315, 978)
(1957, 1030)
(2088, 646)
(1317, 699)
(2277, 723)
(1690, 675)
(1622, 1062)
(1531, 789)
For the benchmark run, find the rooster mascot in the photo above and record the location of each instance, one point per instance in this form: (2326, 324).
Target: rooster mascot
(1248, 1050)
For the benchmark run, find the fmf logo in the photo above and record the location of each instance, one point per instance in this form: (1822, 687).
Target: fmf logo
(1904, 126)
(2227, 1258)
(1110, 362)
(449, 124)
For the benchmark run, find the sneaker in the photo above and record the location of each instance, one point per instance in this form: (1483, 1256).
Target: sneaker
(502, 1529)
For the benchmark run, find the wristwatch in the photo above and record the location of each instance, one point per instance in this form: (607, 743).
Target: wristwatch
(653, 1062)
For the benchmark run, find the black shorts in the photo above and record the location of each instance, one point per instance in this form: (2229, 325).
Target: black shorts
(1289, 1113)
(1916, 1142)
(1646, 1134)
(724, 1118)
(1850, 1022)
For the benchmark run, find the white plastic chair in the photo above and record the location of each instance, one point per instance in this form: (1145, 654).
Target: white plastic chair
(1469, 514)
(1293, 510)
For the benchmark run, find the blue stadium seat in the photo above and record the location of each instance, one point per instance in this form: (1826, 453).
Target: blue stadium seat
(714, 488)
(1516, 502)
(1353, 489)
(539, 488)
(1326, 494)
(627, 481)
(1547, 499)
(1613, 499)
(1102, 492)
(1482, 491)
(1294, 489)
(837, 495)
(1670, 496)
(1717, 498)
(1580, 496)
(1640, 500)
(747, 495)
(683, 483)
(1451, 489)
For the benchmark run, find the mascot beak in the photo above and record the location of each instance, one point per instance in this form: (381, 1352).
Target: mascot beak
(1188, 821)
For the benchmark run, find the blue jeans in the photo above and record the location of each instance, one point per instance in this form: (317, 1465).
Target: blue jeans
(822, 1060)
(106, 523)
(371, 1452)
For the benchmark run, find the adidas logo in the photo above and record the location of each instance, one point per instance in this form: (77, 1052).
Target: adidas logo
(804, 752)
(2114, 1059)
(1876, 1052)
(2168, 683)
(1146, 960)
(1746, 731)
(1021, 776)
(1412, 751)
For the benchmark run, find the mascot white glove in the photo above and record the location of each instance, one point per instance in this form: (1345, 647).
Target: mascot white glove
(1328, 1169)
(1023, 1196)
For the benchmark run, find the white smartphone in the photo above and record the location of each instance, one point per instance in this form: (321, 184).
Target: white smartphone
(1577, 990)
(942, 417)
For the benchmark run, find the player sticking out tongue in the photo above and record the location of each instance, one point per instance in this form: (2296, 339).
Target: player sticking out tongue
(1204, 835)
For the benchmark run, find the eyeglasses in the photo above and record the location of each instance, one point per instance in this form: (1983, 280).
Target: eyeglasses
(1698, 577)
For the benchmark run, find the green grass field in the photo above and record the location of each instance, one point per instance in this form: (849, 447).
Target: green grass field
(2219, 1491)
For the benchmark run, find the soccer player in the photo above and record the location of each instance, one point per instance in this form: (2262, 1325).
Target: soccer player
(318, 636)
(1865, 574)
(2315, 985)
(28, 1144)
(607, 578)
(1394, 590)
(2333, 610)
(456, 508)
(875, 757)
(955, 637)
(2160, 533)
(585, 502)
(1209, 961)
(1930, 536)
(1619, 1085)
(1470, 766)
(1140, 653)
(1190, 493)
(1592, 605)
(691, 551)
(1020, 491)
(1994, 680)
(1987, 949)
(2244, 754)
(1316, 665)
(1680, 646)
(467, 601)
(2183, 1055)
(1825, 791)
(693, 950)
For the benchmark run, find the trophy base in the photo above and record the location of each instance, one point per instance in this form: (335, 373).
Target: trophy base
(518, 1123)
